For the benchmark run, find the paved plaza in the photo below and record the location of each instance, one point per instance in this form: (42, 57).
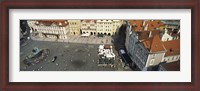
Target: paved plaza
(70, 57)
(78, 39)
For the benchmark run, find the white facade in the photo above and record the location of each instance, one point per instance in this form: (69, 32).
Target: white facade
(172, 58)
(116, 25)
(108, 27)
(88, 26)
(166, 37)
(59, 31)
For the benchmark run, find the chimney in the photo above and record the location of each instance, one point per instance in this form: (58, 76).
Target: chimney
(178, 31)
(143, 23)
(60, 23)
(150, 33)
(146, 27)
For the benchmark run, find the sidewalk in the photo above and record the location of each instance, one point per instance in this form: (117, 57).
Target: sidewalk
(79, 39)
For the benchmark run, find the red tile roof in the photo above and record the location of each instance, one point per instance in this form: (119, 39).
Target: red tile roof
(172, 47)
(151, 25)
(154, 44)
(60, 23)
(145, 34)
(137, 24)
(87, 21)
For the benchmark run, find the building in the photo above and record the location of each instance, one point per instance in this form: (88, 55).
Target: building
(75, 27)
(173, 66)
(106, 55)
(108, 27)
(170, 34)
(173, 51)
(56, 29)
(149, 46)
(142, 25)
(173, 24)
(145, 53)
(146, 25)
(116, 25)
(88, 26)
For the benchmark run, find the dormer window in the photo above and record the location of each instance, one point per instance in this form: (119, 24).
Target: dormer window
(171, 50)
(37, 22)
(60, 23)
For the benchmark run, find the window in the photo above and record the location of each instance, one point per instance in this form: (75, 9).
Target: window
(152, 61)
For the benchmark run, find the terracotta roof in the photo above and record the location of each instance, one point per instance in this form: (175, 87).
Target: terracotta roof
(60, 23)
(172, 47)
(145, 34)
(137, 24)
(87, 21)
(173, 66)
(153, 24)
(154, 44)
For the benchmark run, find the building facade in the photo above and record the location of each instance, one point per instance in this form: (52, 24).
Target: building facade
(88, 26)
(172, 66)
(116, 25)
(108, 27)
(75, 27)
(148, 47)
(146, 53)
(56, 29)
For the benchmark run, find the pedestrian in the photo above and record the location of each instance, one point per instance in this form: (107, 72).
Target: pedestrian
(54, 59)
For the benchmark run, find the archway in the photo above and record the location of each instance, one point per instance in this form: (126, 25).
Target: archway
(104, 33)
(109, 34)
(74, 33)
(91, 33)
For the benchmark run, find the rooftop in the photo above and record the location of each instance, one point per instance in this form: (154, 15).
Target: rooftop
(154, 44)
(87, 21)
(172, 47)
(149, 25)
(147, 34)
(173, 66)
(61, 23)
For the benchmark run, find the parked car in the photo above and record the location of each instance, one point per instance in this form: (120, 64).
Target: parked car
(125, 57)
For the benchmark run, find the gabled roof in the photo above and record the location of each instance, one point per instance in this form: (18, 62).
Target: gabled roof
(154, 44)
(172, 47)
